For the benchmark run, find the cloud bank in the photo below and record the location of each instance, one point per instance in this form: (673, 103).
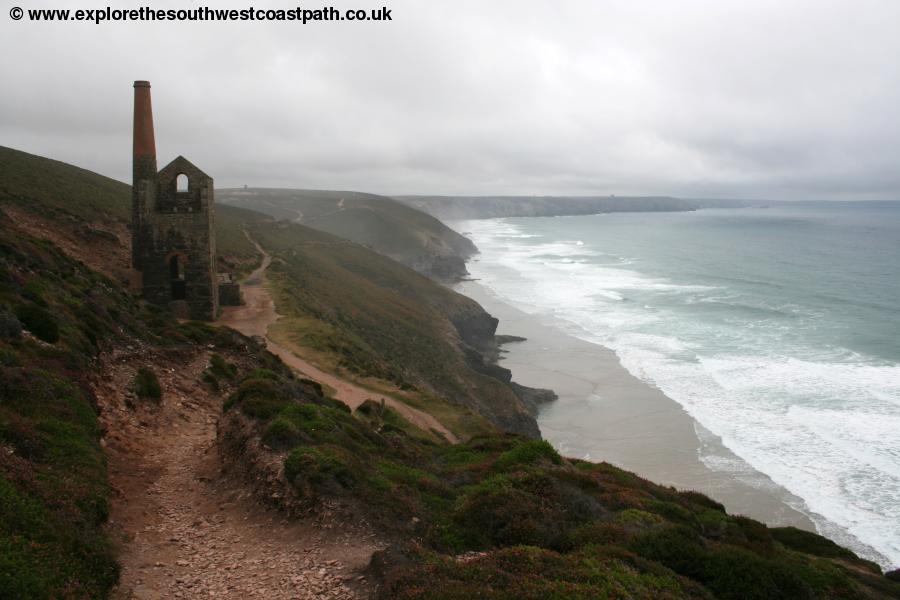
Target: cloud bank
(742, 99)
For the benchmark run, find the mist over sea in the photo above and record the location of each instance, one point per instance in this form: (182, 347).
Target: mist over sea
(777, 329)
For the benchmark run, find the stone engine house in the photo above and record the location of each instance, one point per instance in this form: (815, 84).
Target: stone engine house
(173, 226)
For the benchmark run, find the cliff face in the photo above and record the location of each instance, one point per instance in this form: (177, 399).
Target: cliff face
(487, 207)
(478, 329)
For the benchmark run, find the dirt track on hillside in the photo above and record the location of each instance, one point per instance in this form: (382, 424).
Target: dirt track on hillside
(258, 313)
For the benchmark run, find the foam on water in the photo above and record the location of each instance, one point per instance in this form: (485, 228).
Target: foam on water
(819, 419)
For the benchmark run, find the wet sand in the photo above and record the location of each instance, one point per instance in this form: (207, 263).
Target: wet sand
(606, 414)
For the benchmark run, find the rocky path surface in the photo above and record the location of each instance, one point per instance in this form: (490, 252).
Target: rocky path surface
(187, 530)
(258, 313)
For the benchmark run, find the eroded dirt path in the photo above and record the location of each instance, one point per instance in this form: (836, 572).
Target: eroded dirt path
(185, 529)
(258, 313)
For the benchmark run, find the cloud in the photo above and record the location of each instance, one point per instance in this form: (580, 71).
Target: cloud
(694, 98)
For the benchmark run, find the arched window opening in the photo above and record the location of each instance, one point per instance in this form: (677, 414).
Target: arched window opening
(176, 278)
(181, 183)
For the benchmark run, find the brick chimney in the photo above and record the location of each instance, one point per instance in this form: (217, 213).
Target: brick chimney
(144, 141)
(143, 192)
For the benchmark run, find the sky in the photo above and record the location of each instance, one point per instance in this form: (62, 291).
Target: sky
(754, 99)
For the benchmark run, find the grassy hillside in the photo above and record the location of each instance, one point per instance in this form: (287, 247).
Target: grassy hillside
(53, 491)
(379, 319)
(504, 517)
(236, 252)
(35, 181)
(75, 201)
(405, 234)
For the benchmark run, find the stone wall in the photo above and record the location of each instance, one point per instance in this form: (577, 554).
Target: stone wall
(229, 294)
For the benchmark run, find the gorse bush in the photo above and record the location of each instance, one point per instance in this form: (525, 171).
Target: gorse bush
(220, 368)
(146, 385)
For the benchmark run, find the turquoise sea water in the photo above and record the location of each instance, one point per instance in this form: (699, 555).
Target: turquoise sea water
(777, 329)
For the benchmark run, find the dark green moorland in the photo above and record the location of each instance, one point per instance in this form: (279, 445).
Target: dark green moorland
(501, 516)
(498, 516)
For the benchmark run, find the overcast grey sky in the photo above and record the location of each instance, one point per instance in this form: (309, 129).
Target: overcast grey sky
(788, 99)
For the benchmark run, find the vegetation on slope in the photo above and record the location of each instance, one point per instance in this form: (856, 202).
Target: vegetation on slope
(60, 188)
(401, 232)
(237, 254)
(53, 490)
(382, 320)
(56, 318)
(84, 205)
(501, 516)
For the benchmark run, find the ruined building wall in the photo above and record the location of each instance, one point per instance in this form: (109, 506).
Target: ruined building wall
(173, 231)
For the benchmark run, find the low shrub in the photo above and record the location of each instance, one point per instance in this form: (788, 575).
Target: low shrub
(146, 385)
(281, 433)
(508, 511)
(810, 543)
(260, 398)
(52, 490)
(220, 368)
(634, 519)
(598, 533)
(39, 321)
(528, 453)
(317, 467)
(263, 407)
(729, 572)
(529, 573)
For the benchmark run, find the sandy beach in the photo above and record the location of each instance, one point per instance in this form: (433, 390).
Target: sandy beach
(605, 414)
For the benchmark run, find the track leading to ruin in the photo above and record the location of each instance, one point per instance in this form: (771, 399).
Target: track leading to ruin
(184, 528)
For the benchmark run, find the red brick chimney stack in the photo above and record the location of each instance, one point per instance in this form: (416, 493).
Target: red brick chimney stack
(144, 142)
(143, 189)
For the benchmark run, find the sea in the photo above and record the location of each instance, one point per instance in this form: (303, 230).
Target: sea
(776, 328)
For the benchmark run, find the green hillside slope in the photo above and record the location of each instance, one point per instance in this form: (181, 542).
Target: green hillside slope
(82, 203)
(403, 233)
(36, 181)
(380, 319)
